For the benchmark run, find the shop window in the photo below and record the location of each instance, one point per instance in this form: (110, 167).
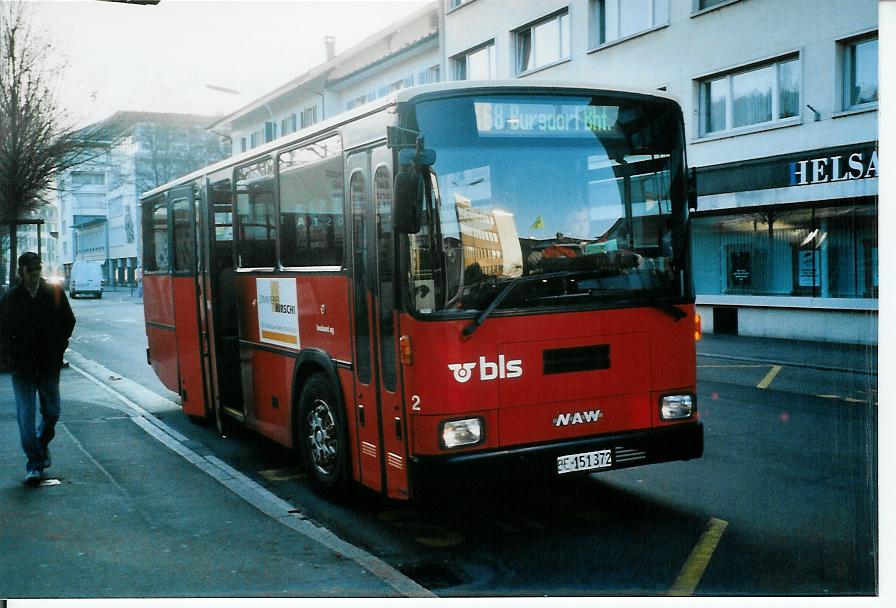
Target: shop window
(828, 252)
(542, 43)
(860, 75)
(758, 95)
(476, 64)
(616, 19)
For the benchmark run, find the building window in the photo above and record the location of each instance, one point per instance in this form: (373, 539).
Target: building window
(82, 178)
(542, 43)
(757, 95)
(452, 4)
(616, 19)
(242, 144)
(701, 4)
(289, 124)
(256, 138)
(309, 116)
(476, 64)
(860, 72)
(432, 74)
(357, 101)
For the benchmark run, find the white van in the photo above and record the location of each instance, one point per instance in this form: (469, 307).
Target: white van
(86, 277)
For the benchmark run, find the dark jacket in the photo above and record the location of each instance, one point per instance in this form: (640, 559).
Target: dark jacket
(34, 332)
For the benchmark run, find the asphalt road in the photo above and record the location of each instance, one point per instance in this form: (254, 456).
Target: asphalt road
(782, 502)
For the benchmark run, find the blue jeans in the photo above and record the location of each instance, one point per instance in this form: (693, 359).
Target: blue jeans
(27, 385)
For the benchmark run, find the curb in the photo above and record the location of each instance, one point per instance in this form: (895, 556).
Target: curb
(252, 492)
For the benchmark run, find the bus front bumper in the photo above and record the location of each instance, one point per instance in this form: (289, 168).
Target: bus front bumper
(634, 448)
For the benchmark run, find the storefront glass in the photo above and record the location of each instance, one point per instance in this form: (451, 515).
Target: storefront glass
(827, 252)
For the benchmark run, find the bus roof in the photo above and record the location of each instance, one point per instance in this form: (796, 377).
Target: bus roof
(400, 96)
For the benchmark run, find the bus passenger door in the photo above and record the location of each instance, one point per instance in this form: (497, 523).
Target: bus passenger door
(185, 285)
(379, 417)
(218, 302)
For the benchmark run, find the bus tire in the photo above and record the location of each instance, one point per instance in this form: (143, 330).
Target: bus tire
(322, 437)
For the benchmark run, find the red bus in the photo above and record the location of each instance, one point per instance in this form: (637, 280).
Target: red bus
(459, 275)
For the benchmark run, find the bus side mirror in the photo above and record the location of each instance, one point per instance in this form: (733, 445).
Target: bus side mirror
(408, 194)
(692, 189)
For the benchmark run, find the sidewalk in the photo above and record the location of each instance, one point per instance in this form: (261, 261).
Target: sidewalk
(138, 511)
(825, 356)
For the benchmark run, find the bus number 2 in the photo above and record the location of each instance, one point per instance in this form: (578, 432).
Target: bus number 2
(415, 403)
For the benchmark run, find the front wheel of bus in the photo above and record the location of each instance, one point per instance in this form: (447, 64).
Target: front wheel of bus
(322, 436)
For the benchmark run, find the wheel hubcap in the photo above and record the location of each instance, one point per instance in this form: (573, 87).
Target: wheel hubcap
(322, 439)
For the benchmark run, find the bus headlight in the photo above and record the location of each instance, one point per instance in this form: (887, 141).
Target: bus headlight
(457, 433)
(676, 407)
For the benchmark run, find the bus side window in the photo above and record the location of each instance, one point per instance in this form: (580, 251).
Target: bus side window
(184, 236)
(155, 234)
(311, 205)
(220, 201)
(257, 230)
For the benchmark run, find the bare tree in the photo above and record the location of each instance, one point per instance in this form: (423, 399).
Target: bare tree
(38, 138)
(173, 146)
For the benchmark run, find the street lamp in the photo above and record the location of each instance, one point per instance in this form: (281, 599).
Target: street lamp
(220, 89)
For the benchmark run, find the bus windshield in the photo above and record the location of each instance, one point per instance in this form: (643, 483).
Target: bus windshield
(571, 201)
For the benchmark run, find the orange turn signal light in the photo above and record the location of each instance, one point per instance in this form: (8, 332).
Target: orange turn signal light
(698, 328)
(404, 348)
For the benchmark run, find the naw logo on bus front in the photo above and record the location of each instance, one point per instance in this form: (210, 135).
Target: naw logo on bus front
(463, 372)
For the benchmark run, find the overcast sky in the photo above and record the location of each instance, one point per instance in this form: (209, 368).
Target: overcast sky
(160, 58)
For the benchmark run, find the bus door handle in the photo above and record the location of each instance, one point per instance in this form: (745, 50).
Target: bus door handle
(398, 428)
(361, 415)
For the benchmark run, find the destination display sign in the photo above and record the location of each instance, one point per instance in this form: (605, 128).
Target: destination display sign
(540, 119)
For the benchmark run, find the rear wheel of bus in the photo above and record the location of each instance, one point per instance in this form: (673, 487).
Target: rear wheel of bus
(322, 437)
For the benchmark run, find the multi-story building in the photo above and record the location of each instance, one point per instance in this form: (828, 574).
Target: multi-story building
(780, 102)
(98, 200)
(402, 55)
(780, 105)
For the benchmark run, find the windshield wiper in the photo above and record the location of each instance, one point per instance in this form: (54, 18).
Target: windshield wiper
(472, 327)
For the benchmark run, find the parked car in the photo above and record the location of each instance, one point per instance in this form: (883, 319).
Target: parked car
(86, 278)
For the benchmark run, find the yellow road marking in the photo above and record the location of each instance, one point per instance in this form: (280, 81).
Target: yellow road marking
(720, 366)
(695, 566)
(281, 474)
(763, 384)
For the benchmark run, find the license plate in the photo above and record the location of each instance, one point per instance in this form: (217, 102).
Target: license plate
(585, 461)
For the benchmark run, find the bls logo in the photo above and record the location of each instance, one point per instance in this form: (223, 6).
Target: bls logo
(463, 372)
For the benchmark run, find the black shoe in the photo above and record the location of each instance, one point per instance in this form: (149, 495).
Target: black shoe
(32, 479)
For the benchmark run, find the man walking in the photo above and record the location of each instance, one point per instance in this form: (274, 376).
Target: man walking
(36, 322)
